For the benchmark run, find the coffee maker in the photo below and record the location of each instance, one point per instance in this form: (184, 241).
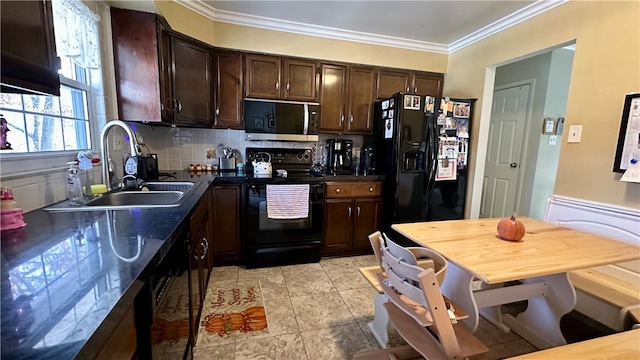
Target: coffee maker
(339, 156)
(367, 161)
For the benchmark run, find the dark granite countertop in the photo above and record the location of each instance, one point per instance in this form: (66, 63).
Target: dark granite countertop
(68, 273)
(71, 270)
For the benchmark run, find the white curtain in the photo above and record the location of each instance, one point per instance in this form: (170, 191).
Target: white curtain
(76, 32)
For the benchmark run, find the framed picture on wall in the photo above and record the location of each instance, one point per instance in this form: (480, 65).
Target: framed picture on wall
(628, 149)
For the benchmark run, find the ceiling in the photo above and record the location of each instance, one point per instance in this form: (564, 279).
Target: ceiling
(438, 26)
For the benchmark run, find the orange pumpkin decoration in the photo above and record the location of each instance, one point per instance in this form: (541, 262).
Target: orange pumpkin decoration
(255, 319)
(223, 324)
(511, 229)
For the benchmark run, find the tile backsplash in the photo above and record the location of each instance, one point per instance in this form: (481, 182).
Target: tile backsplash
(177, 148)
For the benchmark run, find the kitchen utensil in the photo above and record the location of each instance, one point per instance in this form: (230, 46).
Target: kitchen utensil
(262, 167)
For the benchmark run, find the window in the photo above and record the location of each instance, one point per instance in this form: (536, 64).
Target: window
(39, 123)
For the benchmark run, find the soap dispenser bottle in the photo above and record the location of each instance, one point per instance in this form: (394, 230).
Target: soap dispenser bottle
(74, 185)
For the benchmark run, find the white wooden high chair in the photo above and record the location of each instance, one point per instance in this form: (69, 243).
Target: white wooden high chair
(420, 313)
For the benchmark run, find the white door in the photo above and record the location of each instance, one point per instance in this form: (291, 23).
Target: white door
(506, 136)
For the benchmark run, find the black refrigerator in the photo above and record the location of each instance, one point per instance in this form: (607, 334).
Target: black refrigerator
(422, 145)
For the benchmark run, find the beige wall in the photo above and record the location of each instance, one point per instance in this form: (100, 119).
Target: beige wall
(232, 36)
(606, 67)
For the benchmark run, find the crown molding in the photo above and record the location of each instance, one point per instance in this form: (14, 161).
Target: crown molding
(340, 34)
(309, 29)
(506, 22)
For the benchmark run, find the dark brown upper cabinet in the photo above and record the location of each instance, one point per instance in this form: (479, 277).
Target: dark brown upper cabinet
(228, 90)
(360, 106)
(346, 99)
(263, 75)
(428, 83)
(391, 81)
(333, 97)
(29, 59)
(192, 83)
(161, 76)
(301, 80)
(272, 77)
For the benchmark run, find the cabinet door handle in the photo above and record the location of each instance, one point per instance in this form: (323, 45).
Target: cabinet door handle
(341, 119)
(217, 111)
(277, 85)
(407, 89)
(174, 102)
(349, 212)
(358, 211)
(288, 87)
(179, 106)
(415, 89)
(351, 119)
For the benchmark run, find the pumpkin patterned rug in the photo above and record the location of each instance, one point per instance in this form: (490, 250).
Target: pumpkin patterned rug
(230, 312)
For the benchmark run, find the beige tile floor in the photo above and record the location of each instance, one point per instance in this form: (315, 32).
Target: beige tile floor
(320, 311)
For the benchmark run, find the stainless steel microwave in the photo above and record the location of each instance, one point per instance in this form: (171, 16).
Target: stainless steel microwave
(281, 120)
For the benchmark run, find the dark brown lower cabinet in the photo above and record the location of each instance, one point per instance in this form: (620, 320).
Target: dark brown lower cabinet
(226, 218)
(199, 260)
(351, 213)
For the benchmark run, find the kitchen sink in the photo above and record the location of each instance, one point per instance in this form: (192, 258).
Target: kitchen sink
(160, 194)
(138, 198)
(183, 186)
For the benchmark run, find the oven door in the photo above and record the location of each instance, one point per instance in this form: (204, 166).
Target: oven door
(273, 242)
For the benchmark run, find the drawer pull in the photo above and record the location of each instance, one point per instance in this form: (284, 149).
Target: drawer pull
(371, 189)
(337, 190)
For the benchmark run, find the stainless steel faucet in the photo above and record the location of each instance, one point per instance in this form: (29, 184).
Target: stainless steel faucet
(104, 147)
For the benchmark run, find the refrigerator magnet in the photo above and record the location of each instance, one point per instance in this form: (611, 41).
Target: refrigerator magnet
(461, 110)
(408, 101)
(385, 105)
(388, 129)
(429, 103)
(415, 102)
(463, 128)
(447, 170)
(446, 105)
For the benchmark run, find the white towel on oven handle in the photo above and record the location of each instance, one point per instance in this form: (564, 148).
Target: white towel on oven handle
(290, 201)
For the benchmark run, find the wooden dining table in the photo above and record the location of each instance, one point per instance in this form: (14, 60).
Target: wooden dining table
(533, 269)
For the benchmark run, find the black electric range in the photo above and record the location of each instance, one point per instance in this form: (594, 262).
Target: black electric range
(273, 241)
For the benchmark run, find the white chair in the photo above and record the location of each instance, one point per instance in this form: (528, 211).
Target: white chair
(420, 313)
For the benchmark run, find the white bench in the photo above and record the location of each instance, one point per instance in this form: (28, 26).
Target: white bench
(608, 294)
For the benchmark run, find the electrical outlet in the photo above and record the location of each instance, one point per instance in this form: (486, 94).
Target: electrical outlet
(575, 133)
(553, 139)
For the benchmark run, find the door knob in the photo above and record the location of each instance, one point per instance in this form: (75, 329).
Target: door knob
(513, 165)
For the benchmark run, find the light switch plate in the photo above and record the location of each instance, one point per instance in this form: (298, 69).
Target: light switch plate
(575, 133)
(553, 139)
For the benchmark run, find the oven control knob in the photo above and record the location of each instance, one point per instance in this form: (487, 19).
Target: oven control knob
(299, 156)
